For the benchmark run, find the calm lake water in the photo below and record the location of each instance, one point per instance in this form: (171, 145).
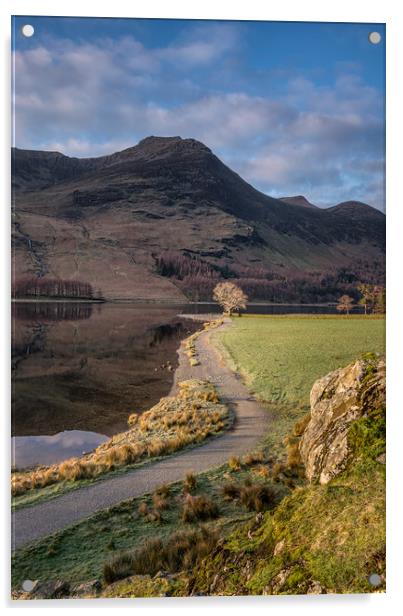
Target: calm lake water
(80, 369)
(212, 308)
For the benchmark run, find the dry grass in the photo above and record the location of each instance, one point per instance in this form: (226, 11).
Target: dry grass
(300, 426)
(181, 551)
(257, 497)
(293, 455)
(234, 463)
(254, 496)
(163, 490)
(190, 483)
(253, 458)
(160, 502)
(198, 508)
(276, 470)
(262, 471)
(231, 490)
(143, 509)
(175, 422)
(154, 516)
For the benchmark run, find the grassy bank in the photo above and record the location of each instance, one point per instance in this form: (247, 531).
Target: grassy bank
(80, 552)
(190, 417)
(329, 536)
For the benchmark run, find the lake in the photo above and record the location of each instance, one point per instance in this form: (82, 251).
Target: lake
(80, 369)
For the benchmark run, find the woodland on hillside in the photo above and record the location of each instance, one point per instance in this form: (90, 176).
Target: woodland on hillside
(197, 279)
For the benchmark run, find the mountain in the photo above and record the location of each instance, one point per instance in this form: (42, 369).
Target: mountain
(110, 220)
(297, 200)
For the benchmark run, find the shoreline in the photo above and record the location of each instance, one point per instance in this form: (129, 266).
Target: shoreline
(162, 367)
(169, 302)
(250, 421)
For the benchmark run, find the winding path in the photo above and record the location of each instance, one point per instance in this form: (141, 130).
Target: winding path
(251, 419)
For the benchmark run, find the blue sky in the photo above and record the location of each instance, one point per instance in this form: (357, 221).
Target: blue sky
(295, 108)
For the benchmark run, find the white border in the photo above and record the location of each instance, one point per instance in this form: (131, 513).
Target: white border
(288, 10)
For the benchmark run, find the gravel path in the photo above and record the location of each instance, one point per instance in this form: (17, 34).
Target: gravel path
(251, 419)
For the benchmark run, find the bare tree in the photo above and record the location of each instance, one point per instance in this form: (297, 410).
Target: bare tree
(380, 300)
(369, 296)
(230, 297)
(345, 304)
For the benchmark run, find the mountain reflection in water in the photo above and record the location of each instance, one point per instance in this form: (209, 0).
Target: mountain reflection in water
(85, 367)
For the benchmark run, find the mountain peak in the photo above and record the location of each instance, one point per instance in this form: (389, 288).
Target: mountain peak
(355, 208)
(154, 141)
(298, 200)
(154, 144)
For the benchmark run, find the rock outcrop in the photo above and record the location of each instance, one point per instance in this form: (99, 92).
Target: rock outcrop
(337, 400)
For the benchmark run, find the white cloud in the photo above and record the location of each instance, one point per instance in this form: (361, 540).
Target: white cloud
(92, 99)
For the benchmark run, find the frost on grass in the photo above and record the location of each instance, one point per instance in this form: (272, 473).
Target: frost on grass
(191, 416)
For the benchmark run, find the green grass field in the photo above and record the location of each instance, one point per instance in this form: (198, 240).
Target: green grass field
(280, 357)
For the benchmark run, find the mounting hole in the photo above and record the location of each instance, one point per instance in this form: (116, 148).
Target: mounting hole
(375, 579)
(374, 38)
(28, 585)
(28, 30)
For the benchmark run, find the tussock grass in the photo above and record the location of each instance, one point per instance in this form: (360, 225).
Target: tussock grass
(262, 471)
(190, 483)
(163, 490)
(293, 455)
(276, 470)
(179, 552)
(199, 508)
(255, 496)
(253, 458)
(160, 502)
(154, 516)
(175, 422)
(234, 463)
(143, 509)
(231, 490)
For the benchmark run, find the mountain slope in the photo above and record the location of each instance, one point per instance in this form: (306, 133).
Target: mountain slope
(105, 220)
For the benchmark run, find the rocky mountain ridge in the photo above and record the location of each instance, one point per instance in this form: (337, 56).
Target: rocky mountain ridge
(105, 220)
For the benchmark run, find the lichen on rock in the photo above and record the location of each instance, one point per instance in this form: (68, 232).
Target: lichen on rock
(337, 400)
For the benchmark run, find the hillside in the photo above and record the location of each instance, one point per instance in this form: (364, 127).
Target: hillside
(111, 221)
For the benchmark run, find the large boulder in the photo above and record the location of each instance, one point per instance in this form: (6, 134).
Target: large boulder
(338, 399)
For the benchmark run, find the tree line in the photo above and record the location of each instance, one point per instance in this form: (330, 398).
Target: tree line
(372, 298)
(197, 279)
(233, 299)
(52, 287)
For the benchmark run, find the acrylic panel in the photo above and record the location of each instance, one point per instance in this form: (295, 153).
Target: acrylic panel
(198, 308)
